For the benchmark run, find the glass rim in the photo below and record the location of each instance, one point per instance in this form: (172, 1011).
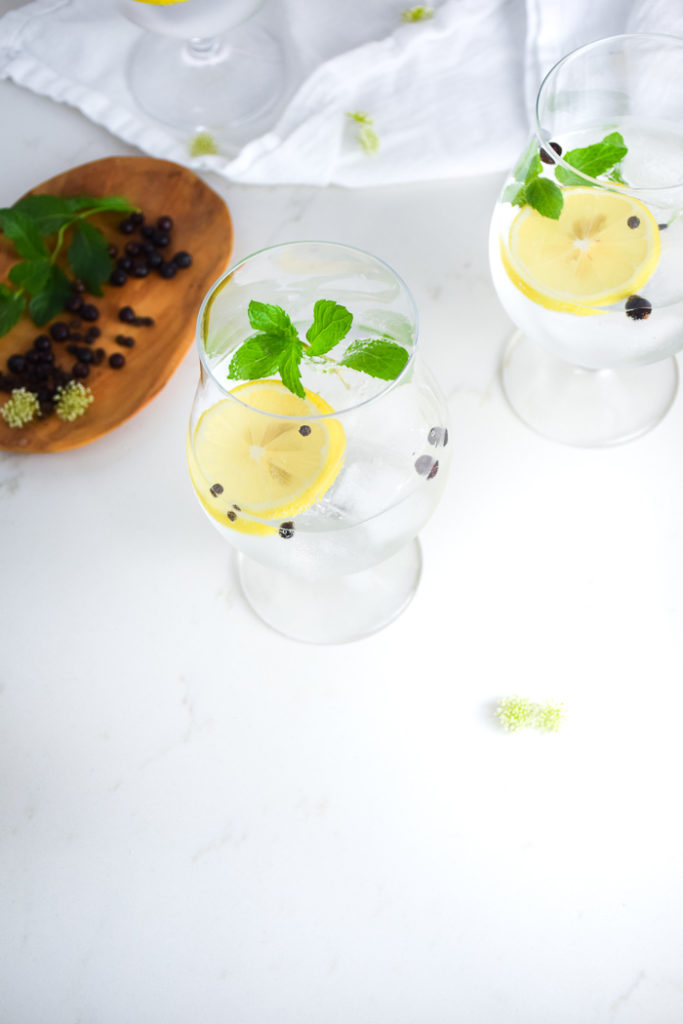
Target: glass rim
(544, 138)
(202, 320)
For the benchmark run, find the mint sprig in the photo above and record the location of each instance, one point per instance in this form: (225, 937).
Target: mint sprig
(277, 347)
(593, 161)
(531, 188)
(41, 283)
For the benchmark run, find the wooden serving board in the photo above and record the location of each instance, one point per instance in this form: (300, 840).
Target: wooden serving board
(202, 227)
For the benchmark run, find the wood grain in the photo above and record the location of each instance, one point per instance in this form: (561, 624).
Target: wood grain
(202, 226)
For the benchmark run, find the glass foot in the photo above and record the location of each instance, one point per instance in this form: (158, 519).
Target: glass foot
(587, 408)
(199, 86)
(336, 610)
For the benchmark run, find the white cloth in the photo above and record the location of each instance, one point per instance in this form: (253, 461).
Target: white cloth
(449, 96)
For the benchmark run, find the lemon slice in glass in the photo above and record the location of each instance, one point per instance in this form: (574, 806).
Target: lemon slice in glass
(603, 247)
(264, 455)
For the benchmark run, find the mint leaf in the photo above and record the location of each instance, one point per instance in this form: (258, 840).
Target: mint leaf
(515, 194)
(529, 165)
(11, 307)
(331, 323)
(31, 275)
(269, 319)
(101, 204)
(545, 197)
(288, 366)
(50, 301)
(383, 359)
(592, 160)
(21, 229)
(257, 357)
(616, 176)
(49, 213)
(88, 256)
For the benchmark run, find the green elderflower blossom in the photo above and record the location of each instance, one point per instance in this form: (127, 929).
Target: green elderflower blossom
(367, 136)
(515, 713)
(419, 13)
(550, 717)
(21, 408)
(72, 400)
(520, 713)
(203, 144)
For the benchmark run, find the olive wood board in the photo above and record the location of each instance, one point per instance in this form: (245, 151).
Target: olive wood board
(201, 226)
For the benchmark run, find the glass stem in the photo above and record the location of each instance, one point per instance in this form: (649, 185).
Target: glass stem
(201, 51)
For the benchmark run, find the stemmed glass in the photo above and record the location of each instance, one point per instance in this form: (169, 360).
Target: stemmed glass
(586, 244)
(205, 65)
(322, 492)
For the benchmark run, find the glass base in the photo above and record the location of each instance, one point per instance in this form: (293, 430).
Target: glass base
(587, 408)
(336, 610)
(199, 85)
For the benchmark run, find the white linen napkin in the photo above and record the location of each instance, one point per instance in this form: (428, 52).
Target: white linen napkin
(448, 96)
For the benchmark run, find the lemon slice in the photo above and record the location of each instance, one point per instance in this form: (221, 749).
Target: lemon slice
(264, 457)
(603, 247)
(161, 3)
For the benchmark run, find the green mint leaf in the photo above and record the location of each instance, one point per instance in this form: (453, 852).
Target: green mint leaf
(49, 213)
(545, 197)
(592, 160)
(270, 319)
(515, 194)
(616, 176)
(11, 307)
(288, 366)
(101, 204)
(31, 275)
(534, 169)
(257, 357)
(529, 165)
(383, 359)
(331, 323)
(50, 301)
(89, 257)
(24, 234)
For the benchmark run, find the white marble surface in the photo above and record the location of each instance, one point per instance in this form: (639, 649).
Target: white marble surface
(202, 821)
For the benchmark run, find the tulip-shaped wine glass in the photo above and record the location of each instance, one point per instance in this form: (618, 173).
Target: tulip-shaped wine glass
(317, 442)
(586, 245)
(205, 65)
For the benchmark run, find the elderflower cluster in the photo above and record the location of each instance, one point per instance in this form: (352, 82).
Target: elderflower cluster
(21, 408)
(419, 13)
(203, 144)
(367, 136)
(72, 400)
(516, 713)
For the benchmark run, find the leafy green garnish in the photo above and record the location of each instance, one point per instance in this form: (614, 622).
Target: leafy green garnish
(11, 307)
(42, 286)
(545, 197)
(331, 323)
(383, 359)
(593, 160)
(277, 347)
(49, 301)
(530, 188)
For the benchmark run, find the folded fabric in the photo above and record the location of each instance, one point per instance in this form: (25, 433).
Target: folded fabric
(446, 96)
